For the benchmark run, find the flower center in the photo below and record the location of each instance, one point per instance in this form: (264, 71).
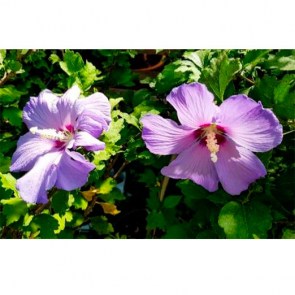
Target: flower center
(211, 135)
(61, 137)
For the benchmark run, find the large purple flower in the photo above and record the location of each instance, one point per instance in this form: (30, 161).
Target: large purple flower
(213, 143)
(58, 125)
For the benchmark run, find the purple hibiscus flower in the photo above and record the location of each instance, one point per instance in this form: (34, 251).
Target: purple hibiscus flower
(213, 143)
(58, 125)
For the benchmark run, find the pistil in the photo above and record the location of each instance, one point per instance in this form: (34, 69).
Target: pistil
(53, 134)
(212, 145)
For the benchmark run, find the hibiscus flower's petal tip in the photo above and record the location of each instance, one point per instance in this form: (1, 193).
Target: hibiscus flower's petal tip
(72, 94)
(237, 168)
(164, 136)
(88, 141)
(94, 113)
(194, 163)
(41, 111)
(194, 104)
(29, 149)
(42, 177)
(249, 124)
(73, 171)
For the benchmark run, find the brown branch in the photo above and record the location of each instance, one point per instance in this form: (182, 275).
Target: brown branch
(247, 79)
(111, 166)
(121, 169)
(6, 77)
(90, 207)
(41, 207)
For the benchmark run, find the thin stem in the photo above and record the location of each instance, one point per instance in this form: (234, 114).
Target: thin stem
(90, 207)
(247, 79)
(41, 207)
(163, 187)
(165, 182)
(111, 166)
(288, 132)
(121, 169)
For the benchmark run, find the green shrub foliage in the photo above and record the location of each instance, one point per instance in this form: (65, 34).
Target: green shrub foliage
(126, 196)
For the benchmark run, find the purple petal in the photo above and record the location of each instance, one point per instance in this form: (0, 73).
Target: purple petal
(97, 103)
(164, 136)
(65, 106)
(42, 177)
(91, 122)
(73, 171)
(249, 124)
(71, 95)
(237, 167)
(29, 148)
(88, 141)
(194, 104)
(194, 163)
(42, 112)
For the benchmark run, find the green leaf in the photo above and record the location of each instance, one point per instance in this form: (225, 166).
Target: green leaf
(176, 231)
(170, 77)
(77, 219)
(288, 233)
(147, 106)
(101, 225)
(9, 94)
(171, 201)
(9, 182)
(107, 186)
(54, 58)
(88, 75)
(153, 202)
(244, 221)
(4, 194)
(13, 65)
(156, 220)
(80, 202)
(254, 57)
(187, 66)
(113, 134)
(13, 115)
(219, 197)
(4, 163)
(115, 101)
(265, 157)
(192, 190)
(2, 55)
(114, 195)
(148, 177)
(130, 119)
(60, 201)
(13, 209)
(2, 220)
(283, 88)
(46, 224)
(206, 234)
(72, 62)
(140, 96)
(220, 73)
(284, 60)
(194, 57)
(122, 77)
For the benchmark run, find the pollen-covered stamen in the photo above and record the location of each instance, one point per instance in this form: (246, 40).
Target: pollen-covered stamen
(212, 145)
(211, 135)
(53, 134)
